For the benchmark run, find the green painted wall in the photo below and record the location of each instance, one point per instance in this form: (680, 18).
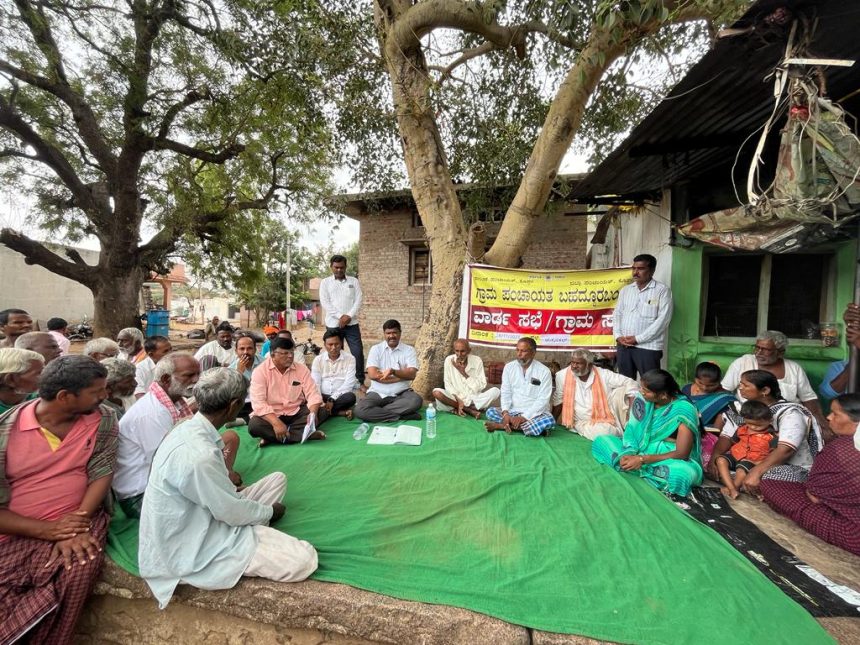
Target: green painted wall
(686, 347)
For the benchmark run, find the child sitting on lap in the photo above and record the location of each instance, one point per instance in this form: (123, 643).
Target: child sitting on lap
(752, 444)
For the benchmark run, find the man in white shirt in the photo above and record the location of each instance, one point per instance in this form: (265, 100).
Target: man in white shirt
(58, 328)
(526, 390)
(146, 423)
(196, 528)
(156, 347)
(590, 400)
(340, 296)
(465, 382)
(130, 341)
(218, 352)
(769, 355)
(334, 374)
(391, 366)
(641, 318)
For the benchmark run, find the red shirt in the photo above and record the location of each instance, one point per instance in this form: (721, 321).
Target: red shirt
(46, 484)
(752, 446)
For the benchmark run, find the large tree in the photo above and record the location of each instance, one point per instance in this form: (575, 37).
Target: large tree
(500, 55)
(167, 120)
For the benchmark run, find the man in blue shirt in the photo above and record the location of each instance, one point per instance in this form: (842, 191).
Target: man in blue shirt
(195, 527)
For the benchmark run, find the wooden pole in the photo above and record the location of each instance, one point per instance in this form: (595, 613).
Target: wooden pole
(854, 353)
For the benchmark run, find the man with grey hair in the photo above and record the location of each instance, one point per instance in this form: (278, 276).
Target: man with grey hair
(526, 392)
(590, 400)
(769, 355)
(196, 528)
(19, 376)
(41, 342)
(120, 383)
(465, 390)
(144, 425)
(101, 348)
(130, 341)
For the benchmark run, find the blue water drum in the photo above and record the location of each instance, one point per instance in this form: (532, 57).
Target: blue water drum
(157, 323)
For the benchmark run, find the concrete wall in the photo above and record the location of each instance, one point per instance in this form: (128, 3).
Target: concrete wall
(42, 293)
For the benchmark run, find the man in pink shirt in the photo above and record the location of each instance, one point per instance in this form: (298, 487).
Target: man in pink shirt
(284, 398)
(56, 469)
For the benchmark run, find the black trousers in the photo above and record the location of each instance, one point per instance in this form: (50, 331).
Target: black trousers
(341, 403)
(262, 429)
(635, 359)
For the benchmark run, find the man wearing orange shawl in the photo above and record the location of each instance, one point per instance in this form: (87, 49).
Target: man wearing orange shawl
(590, 400)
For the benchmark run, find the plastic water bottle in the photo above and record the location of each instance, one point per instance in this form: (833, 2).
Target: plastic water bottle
(430, 422)
(361, 432)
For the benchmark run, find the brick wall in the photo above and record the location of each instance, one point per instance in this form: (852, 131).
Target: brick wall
(384, 250)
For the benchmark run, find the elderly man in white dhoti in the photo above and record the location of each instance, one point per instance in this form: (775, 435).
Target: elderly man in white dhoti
(590, 400)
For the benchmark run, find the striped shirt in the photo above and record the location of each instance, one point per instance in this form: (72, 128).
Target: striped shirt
(644, 313)
(340, 297)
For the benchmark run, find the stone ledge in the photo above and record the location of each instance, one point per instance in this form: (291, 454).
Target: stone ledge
(328, 608)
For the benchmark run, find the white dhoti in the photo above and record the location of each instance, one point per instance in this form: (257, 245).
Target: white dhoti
(480, 401)
(619, 406)
(279, 556)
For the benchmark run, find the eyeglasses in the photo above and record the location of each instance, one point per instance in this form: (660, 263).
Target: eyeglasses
(758, 349)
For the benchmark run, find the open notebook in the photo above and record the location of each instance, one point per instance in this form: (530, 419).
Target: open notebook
(387, 436)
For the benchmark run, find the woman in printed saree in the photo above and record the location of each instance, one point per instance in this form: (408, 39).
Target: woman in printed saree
(828, 503)
(661, 439)
(797, 430)
(711, 400)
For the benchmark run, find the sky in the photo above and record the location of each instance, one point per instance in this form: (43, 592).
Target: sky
(16, 212)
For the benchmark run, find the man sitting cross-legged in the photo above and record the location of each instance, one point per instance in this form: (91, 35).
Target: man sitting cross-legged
(196, 528)
(464, 383)
(391, 366)
(334, 373)
(148, 421)
(58, 453)
(526, 388)
(284, 397)
(590, 400)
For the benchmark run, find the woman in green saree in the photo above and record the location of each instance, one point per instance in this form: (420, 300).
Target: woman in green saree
(661, 439)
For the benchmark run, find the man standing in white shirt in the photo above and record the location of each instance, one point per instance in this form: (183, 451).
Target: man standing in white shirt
(526, 390)
(334, 374)
(590, 400)
(642, 316)
(391, 366)
(340, 296)
(465, 383)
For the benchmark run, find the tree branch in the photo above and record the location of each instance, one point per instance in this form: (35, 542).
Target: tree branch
(86, 121)
(225, 154)
(467, 55)
(173, 111)
(37, 253)
(98, 211)
(203, 224)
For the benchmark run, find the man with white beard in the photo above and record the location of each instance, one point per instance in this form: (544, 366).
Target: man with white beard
(590, 400)
(142, 428)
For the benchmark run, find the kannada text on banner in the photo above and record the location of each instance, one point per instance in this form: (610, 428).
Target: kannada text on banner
(559, 309)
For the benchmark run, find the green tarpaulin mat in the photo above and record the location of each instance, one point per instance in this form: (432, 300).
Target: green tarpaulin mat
(529, 530)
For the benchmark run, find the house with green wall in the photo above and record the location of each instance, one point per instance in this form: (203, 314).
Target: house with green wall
(691, 156)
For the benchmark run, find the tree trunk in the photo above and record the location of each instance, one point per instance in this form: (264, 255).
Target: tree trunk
(556, 135)
(117, 300)
(434, 194)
